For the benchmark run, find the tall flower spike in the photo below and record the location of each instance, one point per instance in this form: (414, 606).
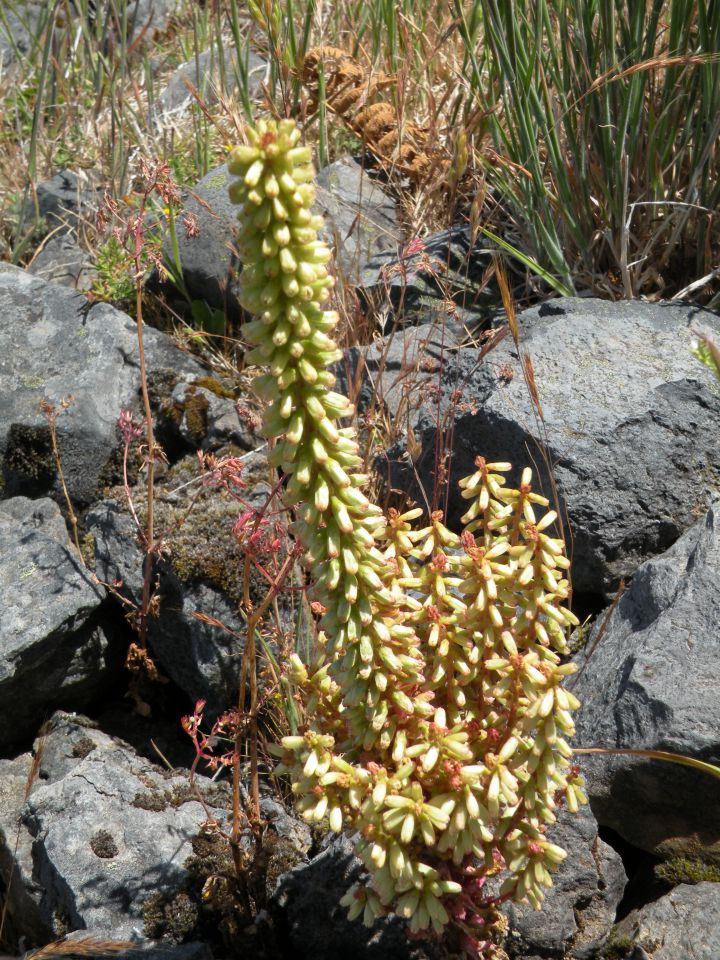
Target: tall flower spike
(435, 717)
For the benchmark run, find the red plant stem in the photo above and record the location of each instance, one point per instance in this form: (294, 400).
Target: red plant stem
(248, 669)
(150, 439)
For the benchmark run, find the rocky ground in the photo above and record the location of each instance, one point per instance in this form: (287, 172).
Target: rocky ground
(99, 838)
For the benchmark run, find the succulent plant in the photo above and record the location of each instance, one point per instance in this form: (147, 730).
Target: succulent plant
(436, 721)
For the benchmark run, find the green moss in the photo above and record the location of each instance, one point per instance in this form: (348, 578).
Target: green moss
(195, 413)
(28, 461)
(681, 870)
(211, 857)
(172, 918)
(203, 546)
(618, 947)
(214, 386)
(219, 180)
(82, 747)
(194, 405)
(102, 844)
(152, 800)
(161, 383)
(180, 793)
(87, 548)
(32, 382)
(284, 856)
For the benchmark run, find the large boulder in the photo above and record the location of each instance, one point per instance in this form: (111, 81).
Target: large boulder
(100, 843)
(579, 909)
(199, 574)
(360, 218)
(649, 676)
(393, 376)
(685, 923)
(206, 74)
(55, 343)
(109, 830)
(54, 646)
(628, 419)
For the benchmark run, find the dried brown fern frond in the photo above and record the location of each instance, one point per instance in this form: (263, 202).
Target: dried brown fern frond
(352, 93)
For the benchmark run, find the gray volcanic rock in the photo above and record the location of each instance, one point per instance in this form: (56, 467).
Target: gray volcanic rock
(577, 915)
(201, 573)
(149, 17)
(579, 909)
(24, 923)
(443, 278)
(25, 18)
(53, 648)
(360, 218)
(652, 682)
(395, 374)
(20, 27)
(629, 422)
(63, 201)
(206, 74)
(209, 265)
(108, 829)
(99, 840)
(685, 923)
(54, 343)
(61, 260)
(307, 903)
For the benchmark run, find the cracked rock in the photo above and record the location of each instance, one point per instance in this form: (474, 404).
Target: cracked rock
(685, 923)
(53, 647)
(651, 683)
(629, 423)
(54, 343)
(579, 909)
(100, 847)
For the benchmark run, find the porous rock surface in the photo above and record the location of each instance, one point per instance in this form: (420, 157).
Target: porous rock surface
(649, 680)
(201, 572)
(55, 343)
(629, 422)
(684, 923)
(54, 646)
(108, 830)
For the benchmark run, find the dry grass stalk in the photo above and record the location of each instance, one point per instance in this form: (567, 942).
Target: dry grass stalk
(82, 947)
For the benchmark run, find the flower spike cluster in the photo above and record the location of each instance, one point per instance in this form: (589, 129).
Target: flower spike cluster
(436, 721)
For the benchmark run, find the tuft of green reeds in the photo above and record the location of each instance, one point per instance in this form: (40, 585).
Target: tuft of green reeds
(606, 118)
